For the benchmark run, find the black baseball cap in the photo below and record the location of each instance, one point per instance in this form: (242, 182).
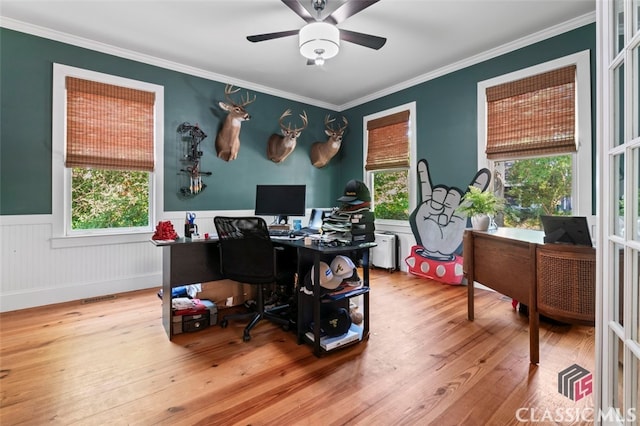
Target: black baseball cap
(356, 192)
(335, 322)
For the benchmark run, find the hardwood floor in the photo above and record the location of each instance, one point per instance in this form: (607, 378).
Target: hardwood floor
(110, 362)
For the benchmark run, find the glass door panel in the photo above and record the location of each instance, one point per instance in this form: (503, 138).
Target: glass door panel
(617, 373)
(618, 193)
(635, 285)
(618, 283)
(618, 106)
(634, 197)
(636, 92)
(618, 26)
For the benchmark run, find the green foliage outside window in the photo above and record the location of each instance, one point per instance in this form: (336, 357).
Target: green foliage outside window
(391, 194)
(537, 186)
(109, 199)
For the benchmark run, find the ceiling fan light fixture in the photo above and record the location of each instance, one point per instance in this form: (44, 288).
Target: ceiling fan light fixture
(319, 37)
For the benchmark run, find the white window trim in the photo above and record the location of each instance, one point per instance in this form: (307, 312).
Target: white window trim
(61, 176)
(582, 169)
(413, 180)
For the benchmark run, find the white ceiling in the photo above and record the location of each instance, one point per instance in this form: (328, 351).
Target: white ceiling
(208, 38)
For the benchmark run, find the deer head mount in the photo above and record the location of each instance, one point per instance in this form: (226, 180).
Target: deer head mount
(323, 152)
(280, 146)
(228, 138)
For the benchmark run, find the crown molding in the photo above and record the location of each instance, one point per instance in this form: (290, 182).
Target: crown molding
(62, 37)
(489, 54)
(174, 66)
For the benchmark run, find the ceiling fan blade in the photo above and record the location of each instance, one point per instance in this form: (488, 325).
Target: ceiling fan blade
(366, 40)
(348, 9)
(270, 36)
(299, 10)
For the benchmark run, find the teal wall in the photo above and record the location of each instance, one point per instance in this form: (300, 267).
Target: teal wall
(446, 124)
(26, 72)
(446, 109)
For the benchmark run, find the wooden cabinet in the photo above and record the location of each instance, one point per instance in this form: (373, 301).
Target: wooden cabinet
(565, 279)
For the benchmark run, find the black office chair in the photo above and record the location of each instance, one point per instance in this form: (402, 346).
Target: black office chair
(248, 256)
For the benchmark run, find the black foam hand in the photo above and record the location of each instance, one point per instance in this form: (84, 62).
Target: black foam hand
(437, 226)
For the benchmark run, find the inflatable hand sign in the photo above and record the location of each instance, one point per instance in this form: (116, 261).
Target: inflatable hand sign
(438, 228)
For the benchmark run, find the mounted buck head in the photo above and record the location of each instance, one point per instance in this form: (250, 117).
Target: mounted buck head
(323, 152)
(228, 139)
(280, 146)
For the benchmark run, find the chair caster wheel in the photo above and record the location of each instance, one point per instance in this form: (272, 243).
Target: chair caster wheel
(286, 327)
(246, 338)
(224, 323)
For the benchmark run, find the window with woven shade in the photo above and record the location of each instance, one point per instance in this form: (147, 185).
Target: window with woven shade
(534, 134)
(532, 116)
(107, 135)
(108, 126)
(388, 161)
(388, 142)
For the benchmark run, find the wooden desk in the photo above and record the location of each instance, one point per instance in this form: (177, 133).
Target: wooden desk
(555, 280)
(505, 261)
(186, 261)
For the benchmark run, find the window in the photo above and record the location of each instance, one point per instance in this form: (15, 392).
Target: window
(389, 152)
(534, 128)
(107, 134)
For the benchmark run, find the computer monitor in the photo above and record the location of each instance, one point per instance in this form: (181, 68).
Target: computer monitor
(281, 201)
(566, 229)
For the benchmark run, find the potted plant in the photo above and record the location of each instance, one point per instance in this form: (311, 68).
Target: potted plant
(480, 206)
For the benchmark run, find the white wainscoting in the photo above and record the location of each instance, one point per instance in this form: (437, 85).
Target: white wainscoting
(34, 273)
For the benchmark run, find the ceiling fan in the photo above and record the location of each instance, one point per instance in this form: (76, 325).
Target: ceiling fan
(320, 38)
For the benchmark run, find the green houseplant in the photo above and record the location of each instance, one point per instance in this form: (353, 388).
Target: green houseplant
(480, 206)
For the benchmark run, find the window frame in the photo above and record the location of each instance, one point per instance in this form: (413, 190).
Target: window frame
(63, 235)
(368, 175)
(582, 186)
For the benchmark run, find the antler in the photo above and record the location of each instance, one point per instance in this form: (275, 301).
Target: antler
(327, 122)
(305, 122)
(329, 126)
(287, 113)
(346, 123)
(228, 91)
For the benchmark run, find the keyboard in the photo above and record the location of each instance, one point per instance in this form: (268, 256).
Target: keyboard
(279, 232)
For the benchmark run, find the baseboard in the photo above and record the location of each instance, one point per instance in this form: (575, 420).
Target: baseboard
(47, 296)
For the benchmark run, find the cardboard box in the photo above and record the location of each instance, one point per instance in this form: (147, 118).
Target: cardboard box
(227, 293)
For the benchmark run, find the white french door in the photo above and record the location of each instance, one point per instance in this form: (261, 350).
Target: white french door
(618, 243)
